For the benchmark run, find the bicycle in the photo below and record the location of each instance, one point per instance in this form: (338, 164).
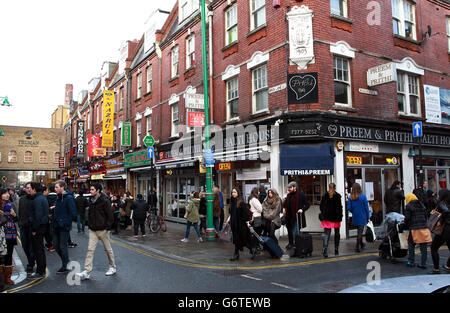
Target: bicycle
(156, 222)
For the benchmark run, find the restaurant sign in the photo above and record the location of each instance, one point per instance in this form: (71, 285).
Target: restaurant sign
(137, 159)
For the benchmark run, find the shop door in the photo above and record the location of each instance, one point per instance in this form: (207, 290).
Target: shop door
(374, 192)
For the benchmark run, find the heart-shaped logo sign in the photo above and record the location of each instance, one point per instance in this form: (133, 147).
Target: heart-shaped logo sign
(332, 129)
(302, 85)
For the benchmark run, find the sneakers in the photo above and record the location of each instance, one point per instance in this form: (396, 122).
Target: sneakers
(83, 275)
(51, 249)
(200, 239)
(111, 271)
(72, 245)
(62, 270)
(184, 240)
(134, 236)
(36, 275)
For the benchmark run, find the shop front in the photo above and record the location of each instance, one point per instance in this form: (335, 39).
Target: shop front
(140, 168)
(97, 171)
(115, 177)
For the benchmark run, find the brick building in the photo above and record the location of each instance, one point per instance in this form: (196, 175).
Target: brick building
(337, 82)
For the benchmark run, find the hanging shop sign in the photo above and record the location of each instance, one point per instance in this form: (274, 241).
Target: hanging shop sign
(94, 143)
(73, 172)
(126, 134)
(303, 88)
(195, 101)
(108, 119)
(80, 139)
(99, 152)
(381, 74)
(83, 170)
(97, 168)
(196, 119)
(61, 162)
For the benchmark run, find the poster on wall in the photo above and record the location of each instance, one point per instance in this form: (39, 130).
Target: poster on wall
(437, 104)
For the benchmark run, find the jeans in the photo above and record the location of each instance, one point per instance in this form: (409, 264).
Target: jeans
(188, 229)
(37, 242)
(25, 237)
(48, 236)
(81, 222)
(292, 227)
(438, 241)
(216, 221)
(411, 252)
(60, 242)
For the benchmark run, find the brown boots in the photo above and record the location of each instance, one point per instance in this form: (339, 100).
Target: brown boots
(7, 272)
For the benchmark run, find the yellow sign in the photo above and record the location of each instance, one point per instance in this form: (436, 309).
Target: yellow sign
(100, 152)
(202, 167)
(354, 160)
(108, 119)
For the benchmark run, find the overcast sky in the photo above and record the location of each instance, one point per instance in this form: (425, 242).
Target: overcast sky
(49, 43)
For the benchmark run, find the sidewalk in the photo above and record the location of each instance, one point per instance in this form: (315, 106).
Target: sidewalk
(219, 252)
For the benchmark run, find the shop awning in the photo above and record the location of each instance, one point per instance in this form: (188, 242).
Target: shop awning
(300, 160)
(168, 165)
(115, 177)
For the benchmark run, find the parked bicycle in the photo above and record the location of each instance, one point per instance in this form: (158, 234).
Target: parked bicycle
(155, 221)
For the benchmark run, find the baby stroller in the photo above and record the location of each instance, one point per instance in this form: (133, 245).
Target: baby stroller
(390, 245)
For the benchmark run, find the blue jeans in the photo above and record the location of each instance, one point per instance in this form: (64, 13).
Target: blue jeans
(292, 227)
(216, 221)
(188, 229)
(81, 222)
(60, 242)
(411, 250)
(25, 237)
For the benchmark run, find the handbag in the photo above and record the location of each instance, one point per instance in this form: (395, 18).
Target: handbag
(226, 233)
(434, 223)
(370, 232)
(259, 221)
(403, 238)
(421, 235)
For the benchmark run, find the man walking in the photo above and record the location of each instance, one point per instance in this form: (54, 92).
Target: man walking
(100, 219)
(82, 203)
(24, 217)
(65, 211)
(39, 221)
(296, 203)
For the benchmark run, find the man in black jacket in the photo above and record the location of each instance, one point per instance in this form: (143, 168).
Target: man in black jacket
(139, 210)
(100, 219)
(394, 197)
(296, 203)
(24, 221)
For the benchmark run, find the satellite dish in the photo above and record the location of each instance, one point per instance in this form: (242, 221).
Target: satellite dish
(429, 31)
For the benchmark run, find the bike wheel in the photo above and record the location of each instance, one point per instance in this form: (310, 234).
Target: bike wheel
(163, 224)
(154, 225)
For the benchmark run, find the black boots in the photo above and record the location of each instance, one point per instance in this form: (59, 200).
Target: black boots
(235, 256)
(337, 238)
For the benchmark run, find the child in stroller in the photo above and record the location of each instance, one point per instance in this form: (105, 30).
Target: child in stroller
(390, 246)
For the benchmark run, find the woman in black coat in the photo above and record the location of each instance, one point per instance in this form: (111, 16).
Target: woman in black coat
(331, 217)
(239, 219)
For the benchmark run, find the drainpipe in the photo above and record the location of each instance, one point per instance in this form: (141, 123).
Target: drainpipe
(211, 93)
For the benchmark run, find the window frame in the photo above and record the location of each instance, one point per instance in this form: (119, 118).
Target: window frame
(174, 66)
(448, 32)
(40, 158)
(149, 129)
(404, 80)
(121, 98)
(56, 157)
(138, 133)
(343, 81)
(177, 120)
(401, 19)
(138, 85)
(230, 28)
(149, 78)
(190, 54)
(10, 156)
(27, 158)
(229, 100)
(343, 5)
(259, 89)
(253, 14)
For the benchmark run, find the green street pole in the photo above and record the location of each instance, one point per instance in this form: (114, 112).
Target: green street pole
(210, 234)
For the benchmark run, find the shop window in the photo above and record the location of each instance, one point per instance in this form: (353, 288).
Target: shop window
(312, 186)
(358, 159)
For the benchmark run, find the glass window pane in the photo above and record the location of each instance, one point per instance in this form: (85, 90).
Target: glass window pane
(401, 103)
(340, 93)
(395, 25)
(414, 104)
(261, 100)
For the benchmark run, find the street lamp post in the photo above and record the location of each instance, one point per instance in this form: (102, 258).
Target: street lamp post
(210, 235)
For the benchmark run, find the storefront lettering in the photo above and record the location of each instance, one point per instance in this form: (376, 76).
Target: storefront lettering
(306, 172)
(355, 132)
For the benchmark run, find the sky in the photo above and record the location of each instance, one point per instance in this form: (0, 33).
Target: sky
(47, 44)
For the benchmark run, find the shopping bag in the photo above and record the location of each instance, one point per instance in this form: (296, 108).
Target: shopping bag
(370, 232)
(403, 238)
(226, 233)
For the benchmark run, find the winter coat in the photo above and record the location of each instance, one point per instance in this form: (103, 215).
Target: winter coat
(65, 211)
(100, 215)
(9, 228)
(39, 212)
(271, 210)
(294, 202)
(82, 203)
(331, 208)
(239, 217)
(360, 210)
(140, 209)
(192, 211)
(216, 206)
(203, 209)
(25, 211)
(255, 208)
(127, 205)
(416, 215)
(393, 200)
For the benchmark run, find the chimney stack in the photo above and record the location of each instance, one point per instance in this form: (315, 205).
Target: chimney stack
(68, 95)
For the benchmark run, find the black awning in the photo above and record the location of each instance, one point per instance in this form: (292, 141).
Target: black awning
(313, 159)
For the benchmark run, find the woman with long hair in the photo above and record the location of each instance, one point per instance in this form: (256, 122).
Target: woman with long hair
(240, 221)
(271, 212)
(10, 231)
(256, 209)
(443, 208)
(331, 217)
(359, 207)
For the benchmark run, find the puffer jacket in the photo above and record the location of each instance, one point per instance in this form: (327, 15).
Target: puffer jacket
(415, 215)
(192, 211)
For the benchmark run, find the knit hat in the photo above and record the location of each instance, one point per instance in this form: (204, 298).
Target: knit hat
(410, 197)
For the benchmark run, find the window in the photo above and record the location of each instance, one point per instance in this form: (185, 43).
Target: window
(174, 62)
(88, 119)
(188, 7)
(149, 79)
(404, 18)
(138, 133)
(339, 7)
(56, 157)
(149, 125)
(232, 98)
(260, 90)
(120, 98)
(231, 25)
(139, 86)
(342, 86)
(12, 156)
(408, 94)
(175, 119)
(190, 51)
(258, 13)
(448, 33)
(43, 157)
(28, 157)
(98, 114)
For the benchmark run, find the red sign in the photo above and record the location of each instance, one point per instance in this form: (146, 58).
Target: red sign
(97, 168)
(94, 142)
(61, 162)
(196, 119)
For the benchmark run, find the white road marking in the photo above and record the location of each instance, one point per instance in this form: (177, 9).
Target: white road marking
(250, 277)
(283, 286)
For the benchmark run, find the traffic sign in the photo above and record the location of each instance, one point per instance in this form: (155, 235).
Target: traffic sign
(417, 129)
(209, 158)
(149, 141)
(150, 152)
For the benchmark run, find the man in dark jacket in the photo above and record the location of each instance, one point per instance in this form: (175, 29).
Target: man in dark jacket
(24, 221)
(64, 212)
(39, 221)
(139, 210)
(421, 194)
(100, 219)
(82, 203)
(296, 203)
(394, 197)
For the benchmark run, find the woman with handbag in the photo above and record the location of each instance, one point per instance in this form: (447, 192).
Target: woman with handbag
(10, 231)
(331, 217)
(257, 221)
(444, 237)
(271, 212)
(416, 222)
(359, 207)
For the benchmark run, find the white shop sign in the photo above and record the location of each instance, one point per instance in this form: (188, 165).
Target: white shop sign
(381, 74)
(195, 101)
(363, 147)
